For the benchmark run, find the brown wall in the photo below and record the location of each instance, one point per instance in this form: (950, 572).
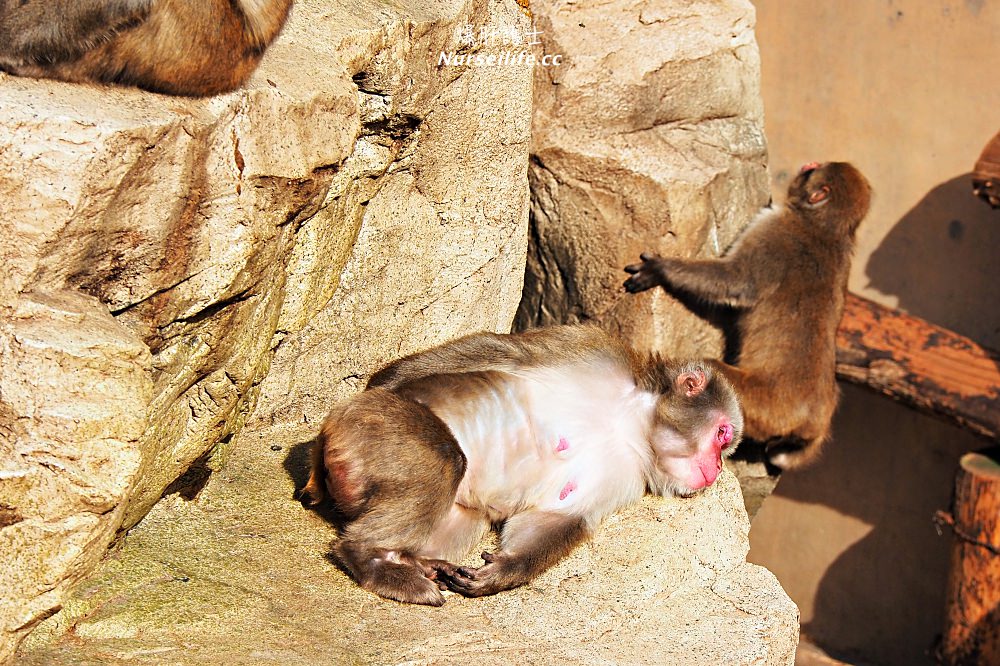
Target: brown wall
(909, 90)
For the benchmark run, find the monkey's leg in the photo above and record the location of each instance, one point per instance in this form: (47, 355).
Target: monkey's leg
(393, 468)
(392, 574)
(715, 281)
(456, 533)
(531, 542)
(791, 430)
(380, 548)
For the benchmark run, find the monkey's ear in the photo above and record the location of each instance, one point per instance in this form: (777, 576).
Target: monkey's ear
(692, 383)
(820, 196)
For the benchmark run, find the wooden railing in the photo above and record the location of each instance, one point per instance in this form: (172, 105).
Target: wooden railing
(922, 365)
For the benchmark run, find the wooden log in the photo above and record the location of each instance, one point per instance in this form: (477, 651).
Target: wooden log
(972, 615)
(920, 364)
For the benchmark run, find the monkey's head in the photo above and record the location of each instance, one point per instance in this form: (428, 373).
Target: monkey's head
(697, 423)
(834, 194)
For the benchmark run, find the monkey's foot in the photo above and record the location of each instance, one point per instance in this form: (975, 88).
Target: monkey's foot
(404, 582)
(785, 454)
(495, 576)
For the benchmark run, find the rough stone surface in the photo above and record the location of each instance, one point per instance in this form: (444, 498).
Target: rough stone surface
(353, 201)
(174, 266)
(648, 137)
(74, 386)
(665, 582)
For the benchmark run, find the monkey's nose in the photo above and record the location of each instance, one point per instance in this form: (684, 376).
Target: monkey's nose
(811, 166)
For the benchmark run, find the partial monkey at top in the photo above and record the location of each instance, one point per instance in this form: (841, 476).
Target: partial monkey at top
(175, 47)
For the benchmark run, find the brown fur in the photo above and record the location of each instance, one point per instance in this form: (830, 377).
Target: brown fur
(391, 493)
(392, 467)
(491, 351)
(176, 47)
(786, 280)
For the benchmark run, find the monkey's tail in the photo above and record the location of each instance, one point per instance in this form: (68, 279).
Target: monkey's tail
(314, 491)
(794, 452)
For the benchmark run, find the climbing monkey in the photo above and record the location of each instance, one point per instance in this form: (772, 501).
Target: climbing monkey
(785, 280)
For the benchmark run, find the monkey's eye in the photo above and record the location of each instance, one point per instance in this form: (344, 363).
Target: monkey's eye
(819, 195)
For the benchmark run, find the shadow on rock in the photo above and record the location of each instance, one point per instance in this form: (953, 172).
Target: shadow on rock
(298, 462)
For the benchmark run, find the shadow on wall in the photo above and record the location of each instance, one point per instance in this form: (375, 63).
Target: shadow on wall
(940, 259)
(882, 599)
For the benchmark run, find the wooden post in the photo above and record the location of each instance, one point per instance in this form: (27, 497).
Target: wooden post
(972, 615)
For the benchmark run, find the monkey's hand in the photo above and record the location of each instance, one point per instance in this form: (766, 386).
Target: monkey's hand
(650, 273)
(502, 571)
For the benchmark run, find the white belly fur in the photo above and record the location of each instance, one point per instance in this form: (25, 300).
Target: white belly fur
(568, 441)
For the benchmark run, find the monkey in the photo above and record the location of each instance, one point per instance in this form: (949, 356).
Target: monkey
(784, 282)
(986, 174)
(542, 433)
(175, 47)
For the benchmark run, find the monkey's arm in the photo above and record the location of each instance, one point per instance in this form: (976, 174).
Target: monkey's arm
(482, 352)
(531, 542)
(49, 31)
(478, 352)
(715, 281)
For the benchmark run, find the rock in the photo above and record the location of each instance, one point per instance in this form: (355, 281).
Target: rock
(74, 388)
(440, 240)
(649, 136)
(664, 582)
(190, 284)
(318, 213)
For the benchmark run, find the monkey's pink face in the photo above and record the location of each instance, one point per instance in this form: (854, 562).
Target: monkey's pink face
(694, 464)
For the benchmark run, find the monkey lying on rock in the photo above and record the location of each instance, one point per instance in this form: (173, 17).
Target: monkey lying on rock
(544, 432)
(786, 279)
(179, 47)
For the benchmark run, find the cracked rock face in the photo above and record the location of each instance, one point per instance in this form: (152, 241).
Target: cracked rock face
(663, 582)
(182, 272)
(648, 138)
(158, 251)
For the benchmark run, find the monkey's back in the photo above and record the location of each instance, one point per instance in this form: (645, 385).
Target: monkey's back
(169, 46)
(788, 338)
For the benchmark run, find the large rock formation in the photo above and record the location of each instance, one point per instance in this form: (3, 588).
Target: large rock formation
(648, 137)
(240, 577)
(157, 250)
(183, 272)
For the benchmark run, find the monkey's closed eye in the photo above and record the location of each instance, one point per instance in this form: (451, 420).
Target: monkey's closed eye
(819, 195)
